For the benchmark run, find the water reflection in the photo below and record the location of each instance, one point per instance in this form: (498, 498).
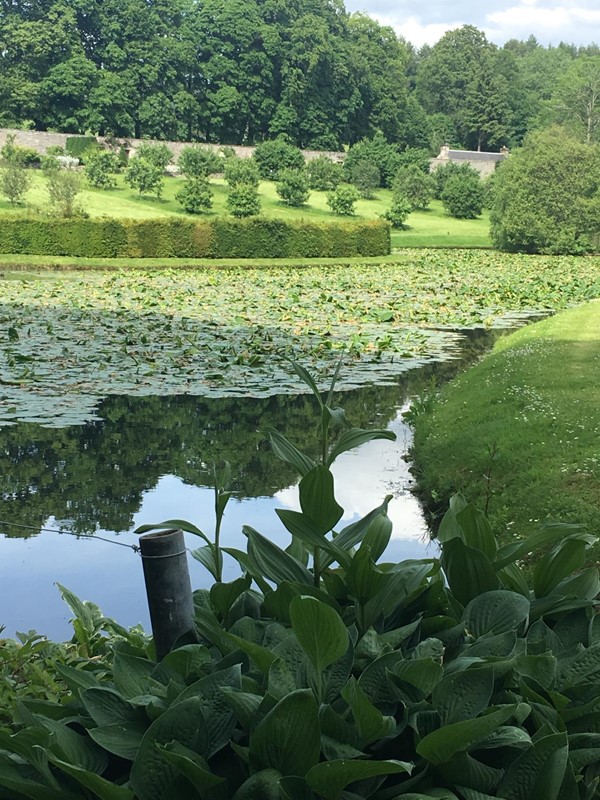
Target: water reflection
(146, 461)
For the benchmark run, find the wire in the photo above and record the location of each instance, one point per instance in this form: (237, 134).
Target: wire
(94, 536)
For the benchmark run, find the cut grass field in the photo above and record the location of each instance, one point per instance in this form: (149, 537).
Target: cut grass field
(429, 228)
(519, 432)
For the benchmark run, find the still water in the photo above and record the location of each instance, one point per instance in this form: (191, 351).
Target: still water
(148, 459)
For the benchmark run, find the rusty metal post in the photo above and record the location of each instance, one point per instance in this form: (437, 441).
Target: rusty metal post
(168, 587)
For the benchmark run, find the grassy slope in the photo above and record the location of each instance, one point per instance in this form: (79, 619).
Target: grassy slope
(533, 403)
(431, 228)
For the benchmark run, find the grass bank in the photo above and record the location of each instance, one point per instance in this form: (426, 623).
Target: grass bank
(519, 432)
(430, 228)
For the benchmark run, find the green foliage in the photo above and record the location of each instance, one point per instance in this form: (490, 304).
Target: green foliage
(451, 170)
(14, 181)
(170, 237)
(343, 200)
(100, 169)
(195, 195)
(547, 196)
(241, 171)
(398, 212)
(243, 200)
(144, 175)
(55, 150)
(415, 184)
(324, 174)
(317, 679)
(293, 187)
(157, 154)
(63, 186)
(463, 196)
(197, 162)
(366, 177)
(377, 151)
(273, 156)
(78, 146)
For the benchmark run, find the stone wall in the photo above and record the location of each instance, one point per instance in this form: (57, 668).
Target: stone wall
(42, 140)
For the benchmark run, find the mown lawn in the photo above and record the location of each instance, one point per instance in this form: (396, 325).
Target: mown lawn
(520, 432)
(430, 228)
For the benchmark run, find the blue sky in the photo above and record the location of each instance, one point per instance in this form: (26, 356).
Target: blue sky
(550, 21)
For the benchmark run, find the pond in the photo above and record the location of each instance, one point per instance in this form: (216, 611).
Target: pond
(146, 459)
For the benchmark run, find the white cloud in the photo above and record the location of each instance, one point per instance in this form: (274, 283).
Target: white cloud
(547, 24)
(415, 31)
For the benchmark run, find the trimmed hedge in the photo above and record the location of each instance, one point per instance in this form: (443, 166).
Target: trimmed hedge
(76, 146)
(222, 237)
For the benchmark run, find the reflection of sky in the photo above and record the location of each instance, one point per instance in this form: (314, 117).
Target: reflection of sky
(112, 577)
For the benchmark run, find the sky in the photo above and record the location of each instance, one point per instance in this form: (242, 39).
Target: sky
(550, 21)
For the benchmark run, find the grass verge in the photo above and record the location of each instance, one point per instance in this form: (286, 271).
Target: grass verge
(519, 432)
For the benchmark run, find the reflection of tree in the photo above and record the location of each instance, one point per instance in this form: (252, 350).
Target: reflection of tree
(93, 475)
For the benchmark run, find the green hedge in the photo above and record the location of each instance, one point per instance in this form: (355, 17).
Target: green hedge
(217, 238)
(76, 146)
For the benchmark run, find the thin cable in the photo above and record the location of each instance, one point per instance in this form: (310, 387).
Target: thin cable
(93, 536)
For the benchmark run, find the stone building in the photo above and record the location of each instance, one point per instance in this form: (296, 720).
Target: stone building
(484, 163)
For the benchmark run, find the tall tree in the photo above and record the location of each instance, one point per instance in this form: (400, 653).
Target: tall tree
(575, 102)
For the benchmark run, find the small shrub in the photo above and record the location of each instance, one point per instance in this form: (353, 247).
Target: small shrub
(377, 151)
(415, 185)
(324, 174)
(243, 200)
(399, 210)
(273, 156)
(199, 162)
(241, 171)
(157, 154)
(463, 196)
(227, 152)
(195, 195)
(55, 150)
(100, 168)
(443, 174)
(366, 177)
(145, 176)
(293, 187)
(343, 200)
(63, 187)
(14, 182)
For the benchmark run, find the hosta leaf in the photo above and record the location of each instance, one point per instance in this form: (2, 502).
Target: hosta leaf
(101, 788)
(538, 772)
(558, 564)
(330, 778)
(440, 745)
(463, 695)
(195, 769)
(371, 723)
(495, 612)
(131, 674)
(288, 738)
(151, 773)
(105, 706)
(263, 785)
(121, 738)
(476, 530)
(319, 629)
(470, 573)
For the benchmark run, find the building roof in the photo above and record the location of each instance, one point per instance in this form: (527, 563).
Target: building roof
(473, 155)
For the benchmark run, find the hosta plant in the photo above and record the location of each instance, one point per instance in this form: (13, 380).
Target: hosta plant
(324, 671)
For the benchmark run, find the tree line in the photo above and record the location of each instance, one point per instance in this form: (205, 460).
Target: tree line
(241, 72)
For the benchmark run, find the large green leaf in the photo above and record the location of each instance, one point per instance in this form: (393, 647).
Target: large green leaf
(558, 564)
(378, 535)
(176, 524)
(440, 745)
(582, 667)
(352, 534)
(102, 788)
(319, 629)
(317, 499)
(371, 723)
(476, 530)
(195, 769)
(224, 595)
(330, 778)
(151, 773)
(123, 739)
(286, 451)
(355, 437)
(288, 739)
(538, 772)
(548, 534)
(274, 563)
(364, 579)
(300, 526)
(131, 674)
(449, 526)
(469, 571)
(105, 706)
(495, 612)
